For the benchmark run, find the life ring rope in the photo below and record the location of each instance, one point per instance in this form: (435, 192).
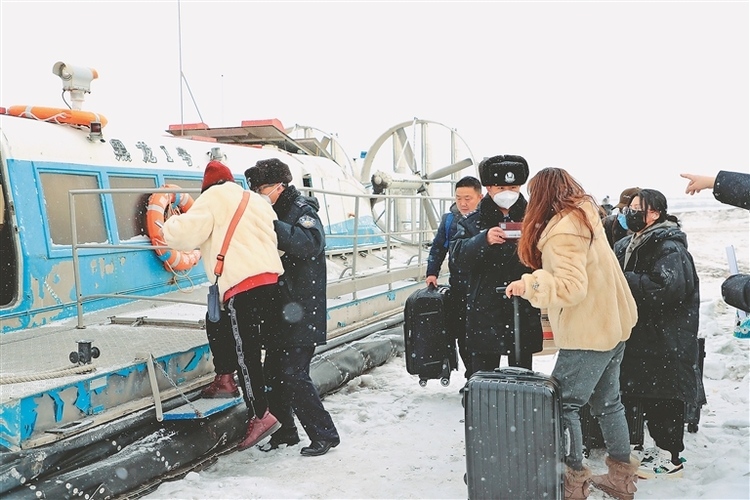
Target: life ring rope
(172, 203)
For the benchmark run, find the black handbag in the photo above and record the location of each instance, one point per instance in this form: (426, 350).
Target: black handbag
(214, 301)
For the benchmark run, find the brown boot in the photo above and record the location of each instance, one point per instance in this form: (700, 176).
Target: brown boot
(577, 483)
(620, 480)
(259, 428)
(223, 386)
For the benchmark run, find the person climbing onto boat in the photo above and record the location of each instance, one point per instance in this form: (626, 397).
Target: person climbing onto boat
(292, 336)
(247, 284)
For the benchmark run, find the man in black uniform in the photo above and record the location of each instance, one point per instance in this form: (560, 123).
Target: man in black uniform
(301, 324)
(488, 255)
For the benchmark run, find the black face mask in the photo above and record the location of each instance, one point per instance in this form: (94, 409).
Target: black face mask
(635, 220)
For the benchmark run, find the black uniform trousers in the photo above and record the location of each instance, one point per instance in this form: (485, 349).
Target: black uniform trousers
(291, 392)
(488, 361)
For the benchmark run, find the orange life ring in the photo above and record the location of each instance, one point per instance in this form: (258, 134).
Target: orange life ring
(158, 204)
(57, 115)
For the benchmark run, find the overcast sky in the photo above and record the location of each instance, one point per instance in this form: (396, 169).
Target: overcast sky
(618, 93)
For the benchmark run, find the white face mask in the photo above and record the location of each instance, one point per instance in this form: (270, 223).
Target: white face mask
(267, 197)
(505, 199)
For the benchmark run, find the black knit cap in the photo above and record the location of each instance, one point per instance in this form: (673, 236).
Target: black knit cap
(271, 171)
(503, 170)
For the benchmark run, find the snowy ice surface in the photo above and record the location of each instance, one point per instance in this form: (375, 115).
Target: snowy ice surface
(400, 440)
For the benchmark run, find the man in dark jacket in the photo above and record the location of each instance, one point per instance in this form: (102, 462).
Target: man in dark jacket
(468, 195)
(484, 250)
(301, 325)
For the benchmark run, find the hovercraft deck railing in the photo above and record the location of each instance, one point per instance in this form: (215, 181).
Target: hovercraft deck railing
(356, 279)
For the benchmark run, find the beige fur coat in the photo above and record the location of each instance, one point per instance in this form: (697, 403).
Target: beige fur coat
(581, 285)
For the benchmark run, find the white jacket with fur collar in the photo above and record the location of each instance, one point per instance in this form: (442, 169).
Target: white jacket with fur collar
(252, 249)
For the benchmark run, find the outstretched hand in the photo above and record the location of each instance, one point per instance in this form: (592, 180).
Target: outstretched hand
(698, 183)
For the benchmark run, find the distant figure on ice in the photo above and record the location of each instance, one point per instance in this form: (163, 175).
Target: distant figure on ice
(660, 366)
(614, 223)
(731, 188)
(247, 286)
(468, 194)
(292, 336)
(484, 250)
(591, 310)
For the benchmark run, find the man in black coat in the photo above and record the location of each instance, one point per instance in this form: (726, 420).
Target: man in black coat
(301, 325)
(484, 250)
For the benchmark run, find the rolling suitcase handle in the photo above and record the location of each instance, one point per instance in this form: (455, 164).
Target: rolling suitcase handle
(516, 322)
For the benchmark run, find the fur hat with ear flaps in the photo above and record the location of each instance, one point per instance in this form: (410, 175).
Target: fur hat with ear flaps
(271, 171)
(216, 173)
(503, 170)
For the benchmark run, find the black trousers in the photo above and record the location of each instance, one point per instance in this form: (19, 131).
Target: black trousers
(665, 419)
(291, 392)
(488, 361)
(236, 343)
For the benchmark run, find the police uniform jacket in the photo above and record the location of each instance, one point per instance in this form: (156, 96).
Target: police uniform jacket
(489, 314)
(302, 320)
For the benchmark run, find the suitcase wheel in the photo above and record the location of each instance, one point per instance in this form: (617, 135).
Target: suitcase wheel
(692, 428)
(422, 382)
(445, 382)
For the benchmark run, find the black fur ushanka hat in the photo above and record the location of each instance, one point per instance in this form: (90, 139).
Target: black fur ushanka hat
(503, 170)
(271, 171)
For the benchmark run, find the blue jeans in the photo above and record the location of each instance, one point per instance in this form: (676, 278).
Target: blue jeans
(593, 377)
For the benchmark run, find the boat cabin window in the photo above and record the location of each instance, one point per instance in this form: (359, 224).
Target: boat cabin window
(90, 225)
(130, 208)
(187, 183)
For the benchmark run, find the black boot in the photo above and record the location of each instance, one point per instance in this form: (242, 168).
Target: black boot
(318, 448)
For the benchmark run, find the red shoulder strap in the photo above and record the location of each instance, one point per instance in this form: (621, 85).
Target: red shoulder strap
(232, 225)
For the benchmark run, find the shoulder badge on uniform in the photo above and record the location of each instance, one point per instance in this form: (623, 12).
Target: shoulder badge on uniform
(306, 221)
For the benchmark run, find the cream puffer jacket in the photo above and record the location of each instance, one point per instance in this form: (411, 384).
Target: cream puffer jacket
(581, 285)
(252, 249)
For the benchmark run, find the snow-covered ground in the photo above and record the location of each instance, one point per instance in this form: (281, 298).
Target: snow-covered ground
(400, 440)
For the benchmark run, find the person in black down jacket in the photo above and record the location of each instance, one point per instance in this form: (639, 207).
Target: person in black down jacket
(660, 365)
(301, 324)
(485, 251)
(731, 188)
(468, 195)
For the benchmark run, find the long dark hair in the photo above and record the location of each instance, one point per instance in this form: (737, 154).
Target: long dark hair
(651, 199)
(551, 191)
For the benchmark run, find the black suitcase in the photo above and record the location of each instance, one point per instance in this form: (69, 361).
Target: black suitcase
(592, 433)
(693, 412)
(514, 435)
(430, 347)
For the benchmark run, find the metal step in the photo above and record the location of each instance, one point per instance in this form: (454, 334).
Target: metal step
(201, 408)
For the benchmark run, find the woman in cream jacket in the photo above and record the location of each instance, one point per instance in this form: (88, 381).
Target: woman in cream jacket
(578, 280)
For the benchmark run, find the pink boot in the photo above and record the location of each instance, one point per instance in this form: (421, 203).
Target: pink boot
(223, 386)
(259, 428)
(577, 483)
(620, 479)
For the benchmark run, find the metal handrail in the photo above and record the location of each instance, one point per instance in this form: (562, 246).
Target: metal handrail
(418, 233)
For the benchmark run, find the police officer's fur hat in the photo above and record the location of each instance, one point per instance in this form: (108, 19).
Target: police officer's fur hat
(271, 171)
(503, 170)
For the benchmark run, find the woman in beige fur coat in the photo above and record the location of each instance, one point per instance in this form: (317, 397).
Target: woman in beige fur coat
(578, 280)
